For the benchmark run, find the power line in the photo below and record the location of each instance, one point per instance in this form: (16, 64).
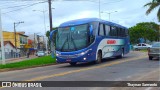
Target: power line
(18, 6)
(6, 3)
(113, 2)
(24, 7)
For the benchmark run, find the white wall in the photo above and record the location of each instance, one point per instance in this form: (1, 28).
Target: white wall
(9, 47)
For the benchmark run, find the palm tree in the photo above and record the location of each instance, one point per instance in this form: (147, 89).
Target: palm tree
(152, 5)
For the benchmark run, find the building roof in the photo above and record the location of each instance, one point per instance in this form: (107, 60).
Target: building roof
(6, 42)
(20, 33)
(23, 35)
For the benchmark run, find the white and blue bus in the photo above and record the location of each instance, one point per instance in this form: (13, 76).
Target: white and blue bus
(89, 39)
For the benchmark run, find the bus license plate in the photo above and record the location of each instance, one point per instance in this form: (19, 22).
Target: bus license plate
(68, 60)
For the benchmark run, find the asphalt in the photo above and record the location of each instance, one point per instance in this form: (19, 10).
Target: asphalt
(135, 66)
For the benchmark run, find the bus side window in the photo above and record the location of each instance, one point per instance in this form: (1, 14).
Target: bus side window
(118, 29)
(113, 31)
(101, 30)
(120, 32)
(123, 32)
(126, 32)
(107, 30)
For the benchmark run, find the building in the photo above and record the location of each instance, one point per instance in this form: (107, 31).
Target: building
(19, 42)
(21, 38)
(9, 49)
(39, 41)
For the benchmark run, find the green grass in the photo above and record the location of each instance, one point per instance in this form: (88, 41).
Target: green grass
(29, 63)
(144, 50)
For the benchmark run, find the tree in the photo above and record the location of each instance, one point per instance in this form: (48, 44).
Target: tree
(48, 32)
(48, 35)
(146, 30)
(152, 5)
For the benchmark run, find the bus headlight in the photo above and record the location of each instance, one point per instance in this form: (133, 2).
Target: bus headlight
(57, 54)
(82, 53)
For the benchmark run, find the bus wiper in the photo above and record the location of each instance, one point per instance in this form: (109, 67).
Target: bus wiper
(64, 43)
(73, 42)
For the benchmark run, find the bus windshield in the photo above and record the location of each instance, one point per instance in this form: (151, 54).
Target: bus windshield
(72, 38)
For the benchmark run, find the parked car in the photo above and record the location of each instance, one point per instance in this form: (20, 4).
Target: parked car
(154, 51)
(141, 46)
(40, 53)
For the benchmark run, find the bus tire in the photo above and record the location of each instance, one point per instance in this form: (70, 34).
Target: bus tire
(122, 54)
(150, 57)
(73, 63)
(99, 57)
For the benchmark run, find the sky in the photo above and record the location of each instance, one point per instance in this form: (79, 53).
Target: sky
(32, 12)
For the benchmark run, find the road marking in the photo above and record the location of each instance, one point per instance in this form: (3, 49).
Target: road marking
(80, 70)
(84, 69)
(14, 75)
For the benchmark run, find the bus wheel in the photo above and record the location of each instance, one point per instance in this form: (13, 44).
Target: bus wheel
(73, 63)
(150, 57)
(99, 57)
(122, 54)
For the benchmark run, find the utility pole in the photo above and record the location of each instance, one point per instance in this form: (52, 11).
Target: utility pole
(2, 43)
(15, 38)
(43, 43)
(34, 41)
(100, 9)
(44, 27)
(50, 14)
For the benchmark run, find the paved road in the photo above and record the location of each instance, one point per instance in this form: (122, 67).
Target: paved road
(133, 67)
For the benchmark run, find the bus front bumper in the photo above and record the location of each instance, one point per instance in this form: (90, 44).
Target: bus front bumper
(84, 58)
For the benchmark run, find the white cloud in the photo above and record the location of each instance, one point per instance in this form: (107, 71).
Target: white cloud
(128, 13)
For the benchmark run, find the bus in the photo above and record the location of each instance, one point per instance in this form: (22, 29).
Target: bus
(89, 39)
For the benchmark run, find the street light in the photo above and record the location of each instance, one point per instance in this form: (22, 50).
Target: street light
(15, 39)
(100, 9)
(44, 25)
(35, 36)
(109, 13)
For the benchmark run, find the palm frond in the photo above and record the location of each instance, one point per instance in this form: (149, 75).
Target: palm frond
(158, 15)
(152, 7)
(148, 4)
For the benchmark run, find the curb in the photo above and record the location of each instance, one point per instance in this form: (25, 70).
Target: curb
(12, 69)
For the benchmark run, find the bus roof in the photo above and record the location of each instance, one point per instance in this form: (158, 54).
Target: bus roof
(88, 20)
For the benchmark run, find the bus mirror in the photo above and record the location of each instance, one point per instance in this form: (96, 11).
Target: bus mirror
(91, 29)
(52, 39)
(52, 33)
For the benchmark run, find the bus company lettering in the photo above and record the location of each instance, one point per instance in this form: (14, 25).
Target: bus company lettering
(111, 41)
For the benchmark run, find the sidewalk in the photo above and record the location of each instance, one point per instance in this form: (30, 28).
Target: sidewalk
(12, 60)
